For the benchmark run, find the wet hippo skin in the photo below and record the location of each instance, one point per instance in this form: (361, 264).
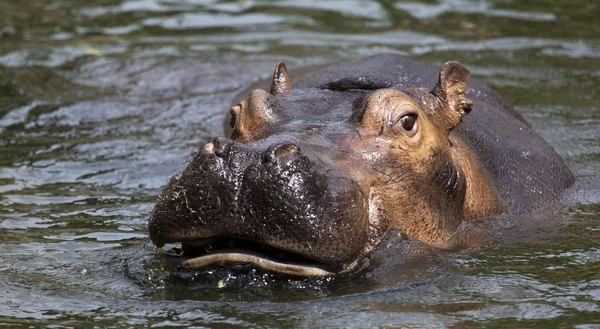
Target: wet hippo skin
(318, 168)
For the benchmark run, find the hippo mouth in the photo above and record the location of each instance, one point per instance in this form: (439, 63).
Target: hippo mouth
(223, 251)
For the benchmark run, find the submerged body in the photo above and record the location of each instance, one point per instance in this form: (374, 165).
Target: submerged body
(313, 177)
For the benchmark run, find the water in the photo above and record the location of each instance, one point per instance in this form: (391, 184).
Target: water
(101, 101)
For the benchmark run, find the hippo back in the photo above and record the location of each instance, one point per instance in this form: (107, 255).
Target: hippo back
(527, 171)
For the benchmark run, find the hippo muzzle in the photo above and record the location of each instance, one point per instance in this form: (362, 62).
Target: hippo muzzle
(269, 203)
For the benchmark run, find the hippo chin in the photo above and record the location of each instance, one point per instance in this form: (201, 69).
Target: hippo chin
(313, 177)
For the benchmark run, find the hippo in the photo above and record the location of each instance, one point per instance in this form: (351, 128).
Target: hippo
(314, 177)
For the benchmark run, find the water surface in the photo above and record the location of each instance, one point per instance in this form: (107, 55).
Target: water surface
(102, 100)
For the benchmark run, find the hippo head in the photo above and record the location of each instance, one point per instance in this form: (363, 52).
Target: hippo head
(312, 178)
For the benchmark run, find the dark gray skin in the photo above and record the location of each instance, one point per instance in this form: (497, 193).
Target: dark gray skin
(315, 176)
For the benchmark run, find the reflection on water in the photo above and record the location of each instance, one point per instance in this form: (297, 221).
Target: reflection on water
(484, 8)
(101, 101)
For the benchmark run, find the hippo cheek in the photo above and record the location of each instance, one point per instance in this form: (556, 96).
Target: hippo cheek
(276, 209)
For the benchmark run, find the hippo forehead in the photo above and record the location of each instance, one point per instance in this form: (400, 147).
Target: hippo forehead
(311, 116)
(331, 109)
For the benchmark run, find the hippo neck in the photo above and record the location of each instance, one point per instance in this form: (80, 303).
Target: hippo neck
(481, 197)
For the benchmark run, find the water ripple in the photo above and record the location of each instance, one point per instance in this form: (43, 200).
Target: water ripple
(428, 11)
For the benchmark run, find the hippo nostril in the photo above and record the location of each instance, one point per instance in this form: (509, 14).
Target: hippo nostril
(280, 151)
(220, 146)
(285, 150)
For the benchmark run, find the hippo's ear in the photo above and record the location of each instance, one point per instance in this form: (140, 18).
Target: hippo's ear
(451, 90)
(281, 81)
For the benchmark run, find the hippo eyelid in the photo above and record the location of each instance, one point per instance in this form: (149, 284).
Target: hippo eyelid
(401, 111)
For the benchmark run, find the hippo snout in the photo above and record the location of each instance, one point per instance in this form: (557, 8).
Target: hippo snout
(270, 197)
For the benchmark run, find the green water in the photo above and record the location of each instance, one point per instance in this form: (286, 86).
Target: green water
(102, 100)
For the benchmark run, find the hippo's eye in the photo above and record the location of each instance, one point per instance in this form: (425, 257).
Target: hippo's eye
(409, 123)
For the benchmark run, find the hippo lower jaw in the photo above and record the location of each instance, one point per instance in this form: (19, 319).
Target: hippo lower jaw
(219, 251)
(280, 261)
(257, 260)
